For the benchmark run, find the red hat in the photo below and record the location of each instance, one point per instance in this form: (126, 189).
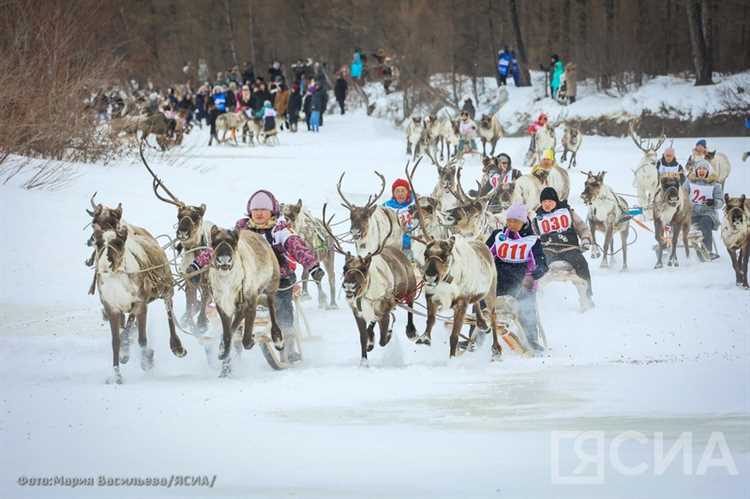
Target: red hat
(399, 182)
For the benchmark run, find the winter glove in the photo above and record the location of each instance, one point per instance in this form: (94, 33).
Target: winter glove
(178, 247)
(585, 244)
(317, 273)
(194, 267)
(528, 283)
(709, 202)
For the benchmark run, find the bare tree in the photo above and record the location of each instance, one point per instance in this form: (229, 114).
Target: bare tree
(701, 38)
(523, 61)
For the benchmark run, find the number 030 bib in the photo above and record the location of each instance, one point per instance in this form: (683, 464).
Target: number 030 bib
(514, 250)
(555, 221)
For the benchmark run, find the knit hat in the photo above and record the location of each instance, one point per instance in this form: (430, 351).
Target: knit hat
(548, 154)
(701, 142)
(502, 156)
(263, 200)
(267, 103)
(702, 163)
(399, 182)
(549, 194)
(517, 212)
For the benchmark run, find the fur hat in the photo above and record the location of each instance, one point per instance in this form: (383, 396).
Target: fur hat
(517, 212)
(503, 156)
(263, 200)
(702, 163)
(549, 194)
(399, 182)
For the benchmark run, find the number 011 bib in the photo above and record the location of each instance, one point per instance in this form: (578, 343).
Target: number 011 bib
(514, 250)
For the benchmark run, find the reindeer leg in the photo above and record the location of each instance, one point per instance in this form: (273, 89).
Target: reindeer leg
(205, 300)
(411, 329)
(675, 238)
(594, 247)
(494, 143)
(125, 340)
(174, 341)
(370, 336)
(305, 293)
(385, 328)
(624, 242)
(114, 326)
(276, 336)
(459, 312)
(363, 339)
(607, 245)
(489, 300)
(685, 234)
(328, 264)
(484, 145)
(248, 340)
(426, 338)
(736, 265)
(659, 235)
(190, 299)
(745, 257)
(147, 354)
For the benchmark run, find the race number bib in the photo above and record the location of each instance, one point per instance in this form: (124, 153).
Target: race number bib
(555, 221)
(700, 193)
(514, 250)
(498, 179)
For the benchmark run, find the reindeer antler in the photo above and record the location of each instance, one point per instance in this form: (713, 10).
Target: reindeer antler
(417, 207)
(459, 191)
(346, 203)
(326, 225)
(94, 206)
(158, 182)
(371, 200)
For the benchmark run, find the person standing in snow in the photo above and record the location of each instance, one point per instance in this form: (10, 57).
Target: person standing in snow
(356, 69)
(706, 195)
(556, 71)
(294, 107)
(401, 201)
(467, 133)
(340, 91)
(519, 263)
(564, 235)
(570, 82)
(468, 107)
(515, 69)
(316, 109)
(504, 62)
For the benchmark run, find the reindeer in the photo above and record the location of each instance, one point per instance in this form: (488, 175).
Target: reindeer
(672, 207)
(735, 232)
(132, 271)
(646, 179)
(443, 192)
(501, 180)
(543, 139)
(571, 141)
(441, 132)
(414, 132)
(457, 272)
(528, 187)
(243, 268)
(193, 236)
(608, 213)
(231, 122)
(374, 284)
(471, 218)
(369, 223)
(489, 131)
(312, 231)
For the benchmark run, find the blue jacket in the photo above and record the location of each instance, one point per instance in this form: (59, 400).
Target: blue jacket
(402, 209)
(504, 61)
(220, 101)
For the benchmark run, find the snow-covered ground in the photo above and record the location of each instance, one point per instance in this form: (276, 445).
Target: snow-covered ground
(664, 353)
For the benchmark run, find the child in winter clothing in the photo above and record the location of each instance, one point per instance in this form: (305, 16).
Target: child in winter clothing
(557, 70)
(467, 132)
(269, 117)
(519, 263)
(401, 201)
(316, 108)
(706, 196)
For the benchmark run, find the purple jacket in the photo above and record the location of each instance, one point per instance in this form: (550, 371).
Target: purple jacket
(288, 246)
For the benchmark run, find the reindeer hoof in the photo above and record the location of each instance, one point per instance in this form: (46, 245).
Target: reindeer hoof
(364, 363)
(424, 340)
(178, 350)
(116, 378)
(124, 357)
(278, 340)
(248, 342)
(385, 339)
(658, 265)
(497, 353)
(226, 370)
(147, 359)
(332, 306)
(604, 264)
(624, 268)
(411, 333)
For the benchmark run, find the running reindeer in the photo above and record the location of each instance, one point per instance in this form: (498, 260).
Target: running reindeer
(571, 142)
(471, 218)
(414, 132)
(543, 138)
(374, 284)
(735, 232)
(457, 272)
(369, 223)
(672, 207)
(646, 179)
(607, 213)
(243, 268)
(443, 192)
(489, 131)
(132, 271)
(193, 236)
(315, 235)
